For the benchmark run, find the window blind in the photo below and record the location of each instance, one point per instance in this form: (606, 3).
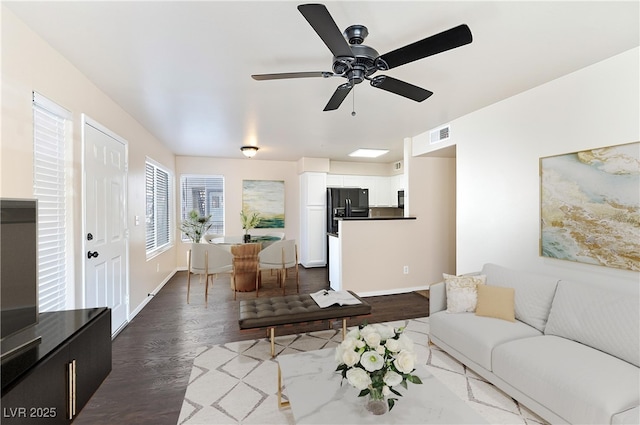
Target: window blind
(51, 127)
(204, 194)
(158, 207)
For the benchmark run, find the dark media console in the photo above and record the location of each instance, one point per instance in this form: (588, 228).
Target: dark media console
(50, 382)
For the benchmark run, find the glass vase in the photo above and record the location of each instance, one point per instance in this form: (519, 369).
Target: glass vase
(376, 402)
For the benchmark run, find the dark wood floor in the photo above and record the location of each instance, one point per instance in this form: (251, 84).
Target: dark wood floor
(153, 355)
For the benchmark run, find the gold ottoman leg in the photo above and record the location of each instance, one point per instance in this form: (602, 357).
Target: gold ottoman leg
(281, 403)
(272, 331)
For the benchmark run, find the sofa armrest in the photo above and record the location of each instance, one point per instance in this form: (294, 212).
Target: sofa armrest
(631, 416)
(437, 298)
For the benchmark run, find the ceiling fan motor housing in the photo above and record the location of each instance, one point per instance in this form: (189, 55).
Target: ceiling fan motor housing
(358, 67)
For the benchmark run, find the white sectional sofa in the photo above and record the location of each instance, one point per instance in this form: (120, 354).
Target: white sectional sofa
(572, 355)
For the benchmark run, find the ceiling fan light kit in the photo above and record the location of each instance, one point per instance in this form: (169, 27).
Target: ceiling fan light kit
(249, 151)
(357, 62)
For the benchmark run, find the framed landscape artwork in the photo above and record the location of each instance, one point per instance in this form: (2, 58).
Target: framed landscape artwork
(267, 198)
(590, 206)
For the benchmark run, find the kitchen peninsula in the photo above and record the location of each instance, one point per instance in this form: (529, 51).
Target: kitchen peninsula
(376, 256)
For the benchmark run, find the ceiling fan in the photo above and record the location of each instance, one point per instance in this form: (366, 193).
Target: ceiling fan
(357, 62)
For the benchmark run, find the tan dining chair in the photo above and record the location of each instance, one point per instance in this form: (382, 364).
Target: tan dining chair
(245, 264)
(207, 260)
(280, 256)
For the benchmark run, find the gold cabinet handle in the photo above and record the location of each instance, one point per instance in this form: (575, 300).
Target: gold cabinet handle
(71, 380)
(70, 390)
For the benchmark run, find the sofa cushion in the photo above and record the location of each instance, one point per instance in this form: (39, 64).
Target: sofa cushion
(461, 292)
(534, 292)
(476, 336)
(603, 317)
(496, 301)
(588, 391)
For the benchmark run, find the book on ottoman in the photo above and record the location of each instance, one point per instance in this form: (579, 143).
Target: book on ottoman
(326, 298)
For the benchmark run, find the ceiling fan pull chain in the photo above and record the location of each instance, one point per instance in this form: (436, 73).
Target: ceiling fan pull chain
(353, 107)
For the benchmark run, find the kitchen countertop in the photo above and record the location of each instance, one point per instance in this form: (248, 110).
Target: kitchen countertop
(375, 218)
(369, 219)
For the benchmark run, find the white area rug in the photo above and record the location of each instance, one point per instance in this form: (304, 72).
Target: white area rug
(236, 383)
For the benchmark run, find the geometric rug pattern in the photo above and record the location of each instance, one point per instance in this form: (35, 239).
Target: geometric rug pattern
(236, 383)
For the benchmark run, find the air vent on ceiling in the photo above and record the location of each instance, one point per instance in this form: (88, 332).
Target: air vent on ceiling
(439, 134)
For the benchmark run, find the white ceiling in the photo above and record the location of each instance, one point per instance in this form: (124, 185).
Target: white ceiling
(182, 69)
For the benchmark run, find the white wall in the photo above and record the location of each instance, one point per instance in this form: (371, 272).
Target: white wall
(28, 64)
(234, 172)
(498, 151)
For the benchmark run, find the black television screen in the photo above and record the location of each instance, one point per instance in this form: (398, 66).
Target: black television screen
(18, 264)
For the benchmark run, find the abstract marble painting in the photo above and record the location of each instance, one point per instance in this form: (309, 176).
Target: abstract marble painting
(590, 206)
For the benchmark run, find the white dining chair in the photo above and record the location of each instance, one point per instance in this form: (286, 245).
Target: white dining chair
(208, 260)
(279, 256)
(210, 237)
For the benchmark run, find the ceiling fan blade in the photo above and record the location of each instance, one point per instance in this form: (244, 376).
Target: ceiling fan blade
(338, 96)
(446, 40)
(284, 75)
(321, 21)
(401, 88)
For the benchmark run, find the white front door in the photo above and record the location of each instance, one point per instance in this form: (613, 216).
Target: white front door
(106, 268)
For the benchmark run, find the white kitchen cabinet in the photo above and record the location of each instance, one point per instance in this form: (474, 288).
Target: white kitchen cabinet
(312, 245)
(396, 184)
(364, 182)
(335, 180)
(313, 186)
(381, 192)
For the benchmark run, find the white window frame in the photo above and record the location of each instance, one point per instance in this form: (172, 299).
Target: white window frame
(188, 182)
(52, 133)
(156, 247)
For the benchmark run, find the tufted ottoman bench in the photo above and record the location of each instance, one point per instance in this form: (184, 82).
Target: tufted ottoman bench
(270, 312)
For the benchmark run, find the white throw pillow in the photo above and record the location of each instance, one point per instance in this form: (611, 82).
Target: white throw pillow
(462, 294)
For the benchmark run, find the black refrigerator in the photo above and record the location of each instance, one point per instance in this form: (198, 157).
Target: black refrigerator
(345, 202)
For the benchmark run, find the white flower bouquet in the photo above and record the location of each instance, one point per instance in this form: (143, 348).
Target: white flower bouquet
(375, 359)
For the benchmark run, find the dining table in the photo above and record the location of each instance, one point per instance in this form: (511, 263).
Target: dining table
(244, 279)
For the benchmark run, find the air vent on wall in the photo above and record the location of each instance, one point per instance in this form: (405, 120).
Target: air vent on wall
(397, 165)
(440, 134)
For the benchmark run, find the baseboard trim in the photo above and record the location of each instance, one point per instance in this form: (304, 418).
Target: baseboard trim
(151, 294)
(392, 291)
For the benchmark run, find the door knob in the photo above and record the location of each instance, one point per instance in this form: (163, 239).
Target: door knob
(92, 254)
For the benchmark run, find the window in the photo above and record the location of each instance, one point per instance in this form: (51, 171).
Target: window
(51, 128)
(204, 194)
(158, 208)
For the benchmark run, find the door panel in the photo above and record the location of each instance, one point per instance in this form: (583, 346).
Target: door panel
(106, 244)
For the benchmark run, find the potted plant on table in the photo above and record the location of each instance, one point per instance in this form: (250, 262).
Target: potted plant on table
(195, 226)
(249, 221)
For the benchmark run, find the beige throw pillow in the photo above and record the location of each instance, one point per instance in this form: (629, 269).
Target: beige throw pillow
(496, 301)
(461, 292)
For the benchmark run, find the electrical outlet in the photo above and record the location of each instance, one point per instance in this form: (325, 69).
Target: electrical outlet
(405, 269)
(157, 267)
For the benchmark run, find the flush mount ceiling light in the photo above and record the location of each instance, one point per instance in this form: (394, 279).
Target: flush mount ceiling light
(249, 151)
(369, 153)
